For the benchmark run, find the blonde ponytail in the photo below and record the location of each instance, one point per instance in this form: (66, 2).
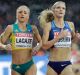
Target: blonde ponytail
(45, 17)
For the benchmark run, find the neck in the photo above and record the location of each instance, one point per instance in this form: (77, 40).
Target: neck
(59, 22)
(22, 24)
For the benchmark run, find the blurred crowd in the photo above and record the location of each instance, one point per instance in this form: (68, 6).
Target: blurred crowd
(7, 16)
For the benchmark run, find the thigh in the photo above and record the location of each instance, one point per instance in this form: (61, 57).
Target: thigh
(51, 71)
(32, 70)
(67, 70)
(14, 73)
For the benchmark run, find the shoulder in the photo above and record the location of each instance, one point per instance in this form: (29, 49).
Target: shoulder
(47, 26)
(9, 28)
(35, 29)
(71, 25)
(7, 31)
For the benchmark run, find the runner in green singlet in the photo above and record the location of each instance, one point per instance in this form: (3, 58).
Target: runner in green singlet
(21, 35)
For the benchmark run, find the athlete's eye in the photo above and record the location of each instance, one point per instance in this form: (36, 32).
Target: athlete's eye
(58, 7)
(25, 12)
(64, 8)
(20, 12)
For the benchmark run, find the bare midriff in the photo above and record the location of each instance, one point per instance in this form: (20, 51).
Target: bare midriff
(60, 54)
(21, 56)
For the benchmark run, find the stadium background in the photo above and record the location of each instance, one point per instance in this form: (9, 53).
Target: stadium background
(7, 16)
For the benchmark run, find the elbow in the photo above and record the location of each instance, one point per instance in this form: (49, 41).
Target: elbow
(44, 47)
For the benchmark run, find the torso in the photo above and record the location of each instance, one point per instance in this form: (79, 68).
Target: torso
(21, 44)
(21, 56)
(62, 49)
(60, 54)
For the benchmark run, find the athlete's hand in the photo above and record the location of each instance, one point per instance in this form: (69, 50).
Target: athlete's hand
(35, 50)
(63, 33)
(78, 35)
(8, 47)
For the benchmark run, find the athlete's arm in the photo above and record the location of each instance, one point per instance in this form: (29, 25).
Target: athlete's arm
(4, 36)
(47, 44)
(71, 24)
(75, 35)
(37, 37)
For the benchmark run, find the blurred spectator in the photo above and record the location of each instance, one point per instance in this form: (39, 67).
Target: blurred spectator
(76, 69)
(1, 29)
(76, 59)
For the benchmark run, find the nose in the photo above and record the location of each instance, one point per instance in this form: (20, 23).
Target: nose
(61, 9)
(22, 13)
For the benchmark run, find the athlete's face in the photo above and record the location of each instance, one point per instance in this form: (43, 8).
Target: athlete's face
(23, 15)
(59, 10)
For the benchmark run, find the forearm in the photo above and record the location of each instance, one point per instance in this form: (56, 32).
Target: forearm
(39, 45)
(2, 46)
(49, 44)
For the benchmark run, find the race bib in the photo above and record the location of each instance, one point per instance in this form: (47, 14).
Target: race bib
(22, 41)
(64, 42)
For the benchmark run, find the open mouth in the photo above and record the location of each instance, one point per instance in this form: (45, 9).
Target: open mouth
(22, 17)
(60, 13)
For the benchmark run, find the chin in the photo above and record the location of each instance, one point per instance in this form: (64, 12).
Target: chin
(60, 16)
(22, 21)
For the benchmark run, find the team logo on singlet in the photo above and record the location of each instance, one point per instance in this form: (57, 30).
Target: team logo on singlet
(22, 41)
(64, 42)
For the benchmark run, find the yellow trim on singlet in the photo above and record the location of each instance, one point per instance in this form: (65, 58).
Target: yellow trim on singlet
(17, 48)
(13, 40)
